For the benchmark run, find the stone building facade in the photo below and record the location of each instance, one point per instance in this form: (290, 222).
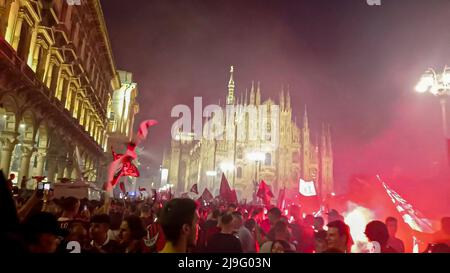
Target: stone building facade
(58, 83)
(294, 155)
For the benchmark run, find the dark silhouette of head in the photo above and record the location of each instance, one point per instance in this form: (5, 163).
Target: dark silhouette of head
(377, 231)
(179, 221)
(338, 235)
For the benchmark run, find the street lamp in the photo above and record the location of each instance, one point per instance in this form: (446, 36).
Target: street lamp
(257, 157)
(211, 174)
(438, 85)
(226, 166)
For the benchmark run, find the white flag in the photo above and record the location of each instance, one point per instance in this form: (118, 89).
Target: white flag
(307, 188)
(79, 163)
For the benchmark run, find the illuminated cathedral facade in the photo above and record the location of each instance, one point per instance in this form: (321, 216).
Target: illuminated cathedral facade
(280, 164)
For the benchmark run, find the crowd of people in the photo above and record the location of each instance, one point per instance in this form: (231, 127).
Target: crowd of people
(42, 224)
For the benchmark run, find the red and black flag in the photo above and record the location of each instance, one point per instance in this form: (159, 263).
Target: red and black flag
(264, 192)
(122, 187)
(206, 196)
(122, 164)
(194, 189)
(225, 192)
(225, 189)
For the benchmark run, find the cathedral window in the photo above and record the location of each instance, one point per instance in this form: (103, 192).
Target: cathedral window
(268, 160)
(239, 172)
(239, 153)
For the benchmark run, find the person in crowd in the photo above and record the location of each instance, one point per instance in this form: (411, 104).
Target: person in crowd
(338, 237)
(306, 240)
(70, 207)
(131, 235)
(210, 227)
(318, 224)
(77, 233)
(333, 215)
(376, 231)
(179, 222)
(116, 220)
(280, 246)
(281, 233)
(231, 208)
(320, 241)
(146, 215)
(437, 248)
(394, 242)
(23, 183)
(10, 181)
(245, 236)
(441, 236)
(98, 232)
(273, 217)
(254, 229)
(41, 232)
(224, 241)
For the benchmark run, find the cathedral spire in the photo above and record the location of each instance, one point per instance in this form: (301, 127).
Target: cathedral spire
(252, 94)
(245, 101)
(305, 119)
(282, 98)
(258, 94)
(230, 98)
(288, 99)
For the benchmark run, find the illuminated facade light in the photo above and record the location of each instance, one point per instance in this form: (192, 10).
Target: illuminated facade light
(226, 166)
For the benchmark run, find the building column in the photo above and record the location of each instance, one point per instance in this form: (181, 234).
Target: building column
(35, 57)
(41, 156)
(8, 141)
(27, 150)
(18, 29)
(62, 162)
(52, 160)
(4, 17)
(69, 169)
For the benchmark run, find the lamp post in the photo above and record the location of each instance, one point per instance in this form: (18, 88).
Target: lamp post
(437, 84)
(211, 174)
(256, 157)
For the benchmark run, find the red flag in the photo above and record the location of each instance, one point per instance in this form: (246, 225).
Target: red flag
(122, 187)
(233, 198)
(206, 196)
(122, 164)
(225, 189)
(143, 130)
(194, 189)
(281, 196)
(264, 191)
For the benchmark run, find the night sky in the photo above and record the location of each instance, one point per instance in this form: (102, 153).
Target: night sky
(354, 66)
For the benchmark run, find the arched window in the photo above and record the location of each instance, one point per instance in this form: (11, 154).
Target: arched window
(239, 153)
(268, 160)
(239, 172)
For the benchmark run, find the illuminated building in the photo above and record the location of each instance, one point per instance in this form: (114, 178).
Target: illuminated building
(247, 159)
(57, 78)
